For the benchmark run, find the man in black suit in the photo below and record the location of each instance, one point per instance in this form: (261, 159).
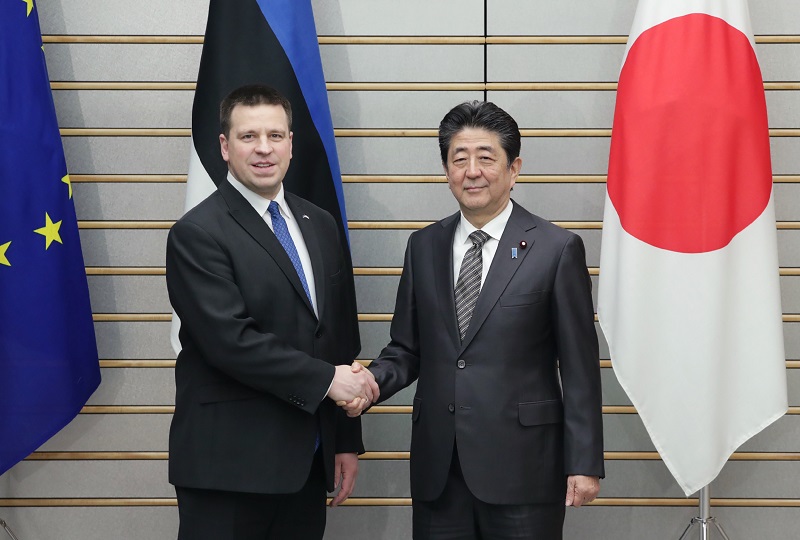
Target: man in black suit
(494, 321)
(269, 329)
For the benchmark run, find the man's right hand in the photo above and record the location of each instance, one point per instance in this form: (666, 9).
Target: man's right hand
(349, 384)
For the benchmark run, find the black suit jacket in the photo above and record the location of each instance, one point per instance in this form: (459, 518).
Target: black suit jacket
(497, 394)
(256, 362)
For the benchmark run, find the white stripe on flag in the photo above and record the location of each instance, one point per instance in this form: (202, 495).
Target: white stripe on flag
(198, 186)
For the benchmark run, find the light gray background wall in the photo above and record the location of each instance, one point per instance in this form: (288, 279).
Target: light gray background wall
(117, 65)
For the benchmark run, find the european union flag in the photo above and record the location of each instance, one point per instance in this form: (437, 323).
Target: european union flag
(48, 353)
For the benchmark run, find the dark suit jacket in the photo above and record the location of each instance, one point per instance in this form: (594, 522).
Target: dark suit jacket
(497, 394)
(256, 362)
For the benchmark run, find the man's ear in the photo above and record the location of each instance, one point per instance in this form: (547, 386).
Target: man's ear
(223, 146)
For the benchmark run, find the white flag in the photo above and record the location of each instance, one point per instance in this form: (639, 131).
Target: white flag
(689, 297)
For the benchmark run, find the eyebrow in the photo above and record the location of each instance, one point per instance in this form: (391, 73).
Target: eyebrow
(486, 148)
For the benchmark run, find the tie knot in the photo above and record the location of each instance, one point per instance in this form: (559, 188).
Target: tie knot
(479, 238)
(273, 209)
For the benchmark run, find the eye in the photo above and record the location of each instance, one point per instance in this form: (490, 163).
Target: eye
(247, 136)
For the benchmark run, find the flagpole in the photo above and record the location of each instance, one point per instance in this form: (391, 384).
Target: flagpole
(7, 529)
(704, 520)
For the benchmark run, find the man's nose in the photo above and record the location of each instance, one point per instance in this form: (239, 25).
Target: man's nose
(473, 168)
(264, 146)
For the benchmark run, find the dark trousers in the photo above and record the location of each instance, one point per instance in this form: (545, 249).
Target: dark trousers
(225, 515)
(458, 515)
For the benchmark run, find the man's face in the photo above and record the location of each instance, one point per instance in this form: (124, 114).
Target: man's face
(259, 147)
(478, 174)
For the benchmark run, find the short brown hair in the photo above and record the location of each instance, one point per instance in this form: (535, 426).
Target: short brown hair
(250, 96)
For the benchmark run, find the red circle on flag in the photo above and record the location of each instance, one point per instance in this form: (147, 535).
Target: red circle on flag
(690, 166)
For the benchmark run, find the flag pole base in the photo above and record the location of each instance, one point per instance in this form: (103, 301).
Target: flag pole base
(8, 530)
(704, 522)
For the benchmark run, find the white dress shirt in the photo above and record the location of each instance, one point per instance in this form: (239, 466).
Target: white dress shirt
(461, 241)
(261, 205)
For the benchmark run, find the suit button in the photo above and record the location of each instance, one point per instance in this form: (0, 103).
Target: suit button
(451, 408)
(318, 334)
(461, 364)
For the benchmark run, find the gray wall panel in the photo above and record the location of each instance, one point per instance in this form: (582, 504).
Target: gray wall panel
(146, 17)
(374, 337)
(611, 17)
(388, 17)
(378, 247)
(790, 294)
(787, 197)
(124, 247)
(376, 294)
(122, 62)
(394, 109)
(565, 155)
(382, 478)
(129, 294)
(135, 386)
(387, 432)
(783, 108)
(558, 109)
(791, 338)
(785, 158)
(124, 108)
(87, 523)
(127, 155)
(373, 523)
(112, 433)
(629, 522)
(128, 478)
(554, 63)
(789, 247)
(122, 201)
(402, 63)
(133, 340)
(573, 17)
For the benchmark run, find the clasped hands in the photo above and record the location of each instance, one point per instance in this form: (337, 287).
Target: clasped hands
(354, 388)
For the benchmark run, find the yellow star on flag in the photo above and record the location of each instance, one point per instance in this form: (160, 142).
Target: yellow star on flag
(30, 7)
(67, 181)
(3, 258)
(50, 231)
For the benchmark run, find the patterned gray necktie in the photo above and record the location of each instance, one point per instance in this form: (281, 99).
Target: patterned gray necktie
(468, 286)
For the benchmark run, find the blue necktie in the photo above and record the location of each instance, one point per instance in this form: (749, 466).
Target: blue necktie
(282, 232)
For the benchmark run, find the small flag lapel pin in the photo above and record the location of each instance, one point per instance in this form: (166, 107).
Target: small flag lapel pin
(513, 253)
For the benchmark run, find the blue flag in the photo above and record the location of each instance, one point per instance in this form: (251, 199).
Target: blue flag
(48, 353)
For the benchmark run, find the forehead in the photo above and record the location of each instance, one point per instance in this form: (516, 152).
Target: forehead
(247, 117)
(474, 139)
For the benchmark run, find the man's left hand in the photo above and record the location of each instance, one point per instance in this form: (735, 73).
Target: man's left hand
(345, 475)
(581, 489)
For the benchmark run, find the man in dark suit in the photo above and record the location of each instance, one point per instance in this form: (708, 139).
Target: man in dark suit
(269, 329)
(494, 321)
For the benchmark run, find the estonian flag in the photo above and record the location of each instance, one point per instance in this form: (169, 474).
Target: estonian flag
(271, 42)
(689, 297)
(48, 353)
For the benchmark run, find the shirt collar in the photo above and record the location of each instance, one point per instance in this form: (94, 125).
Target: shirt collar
(259, 203)
(494, 228)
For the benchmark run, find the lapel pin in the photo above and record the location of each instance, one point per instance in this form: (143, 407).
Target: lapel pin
(305, 216)
(513, 253)
(523, 244)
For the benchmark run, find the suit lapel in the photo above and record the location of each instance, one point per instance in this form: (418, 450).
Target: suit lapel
(244, 214)
(519, 227)
(443, 275)
(296, 205)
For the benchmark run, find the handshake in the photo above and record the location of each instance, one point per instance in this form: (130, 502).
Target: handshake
(354, 388)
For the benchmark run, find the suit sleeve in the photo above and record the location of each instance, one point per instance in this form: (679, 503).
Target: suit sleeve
(579, 362)
(397, 366)
(202, 289)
